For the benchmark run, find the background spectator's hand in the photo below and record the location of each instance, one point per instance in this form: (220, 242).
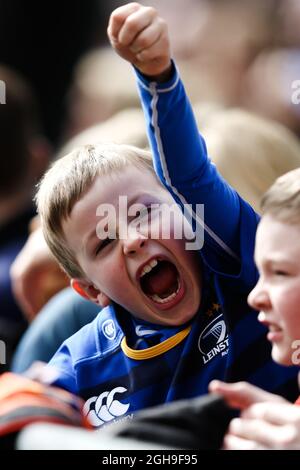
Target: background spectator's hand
(141, 37)
(241, 395)
(35, 275)
(265, 426)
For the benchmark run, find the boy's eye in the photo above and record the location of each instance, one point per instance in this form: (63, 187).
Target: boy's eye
(279, 272)
(145, 212)
(103, 244)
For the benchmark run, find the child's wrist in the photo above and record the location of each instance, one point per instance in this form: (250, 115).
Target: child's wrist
(162, 77)
(165, 79)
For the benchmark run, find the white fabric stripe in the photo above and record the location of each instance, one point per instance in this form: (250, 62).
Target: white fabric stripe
(162, 90)
(154, 122)
(143, 85)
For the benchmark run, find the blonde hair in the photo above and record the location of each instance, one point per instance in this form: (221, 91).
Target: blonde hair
(282, 200)
(250, 152)
(68, 180)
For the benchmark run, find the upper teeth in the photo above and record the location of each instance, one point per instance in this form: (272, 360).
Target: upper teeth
(149, 266)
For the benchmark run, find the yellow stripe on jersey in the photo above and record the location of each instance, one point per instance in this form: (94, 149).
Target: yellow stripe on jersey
(157, 350)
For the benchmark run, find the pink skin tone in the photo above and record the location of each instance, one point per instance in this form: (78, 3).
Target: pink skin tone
(113, 273)
(277, 293)
(269, 421)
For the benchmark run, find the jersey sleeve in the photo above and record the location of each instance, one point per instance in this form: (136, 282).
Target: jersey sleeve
(62, 363)
(183, 166)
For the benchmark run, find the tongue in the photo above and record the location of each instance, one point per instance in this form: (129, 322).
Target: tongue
(162, 280)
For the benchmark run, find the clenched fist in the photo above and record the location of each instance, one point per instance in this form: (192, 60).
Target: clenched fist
(141, 37)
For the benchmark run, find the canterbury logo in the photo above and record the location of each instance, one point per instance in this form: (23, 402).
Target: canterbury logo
(105, 407)
(109, 329)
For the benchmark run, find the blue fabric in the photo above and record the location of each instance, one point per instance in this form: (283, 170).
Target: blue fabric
(226, 341)
(61, 317)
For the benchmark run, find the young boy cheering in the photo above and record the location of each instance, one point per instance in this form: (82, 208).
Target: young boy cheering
(173, 318)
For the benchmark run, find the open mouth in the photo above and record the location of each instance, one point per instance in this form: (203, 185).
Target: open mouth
(160, 281)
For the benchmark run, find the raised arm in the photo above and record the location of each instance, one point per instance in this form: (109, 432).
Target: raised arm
(140, 36)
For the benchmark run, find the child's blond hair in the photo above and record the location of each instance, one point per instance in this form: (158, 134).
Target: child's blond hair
(68, 180)
(282, 200)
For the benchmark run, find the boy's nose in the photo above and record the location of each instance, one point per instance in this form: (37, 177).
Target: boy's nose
(259, 298)
(133, 244)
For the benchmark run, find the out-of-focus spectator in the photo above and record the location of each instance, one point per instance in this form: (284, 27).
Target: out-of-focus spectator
(223, 39)
(102, 86)
(36, 276)
(24, 156)
(251, 162)
(288, 32)
(268, 86)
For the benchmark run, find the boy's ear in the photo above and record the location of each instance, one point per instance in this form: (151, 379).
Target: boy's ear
(89, 292)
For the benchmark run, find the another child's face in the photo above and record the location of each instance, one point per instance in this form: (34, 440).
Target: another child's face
(156, 279)
(277, 293)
